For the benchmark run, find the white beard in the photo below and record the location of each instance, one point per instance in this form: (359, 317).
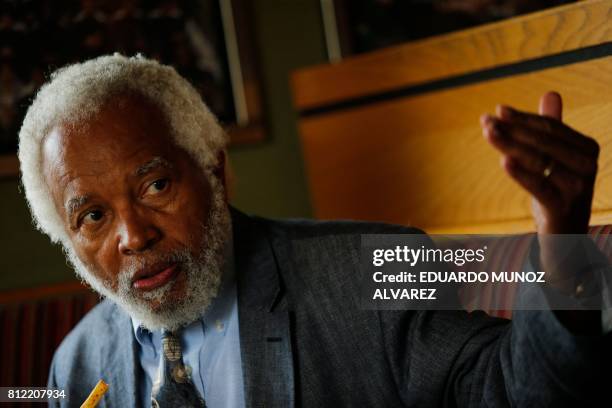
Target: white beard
(202, 276)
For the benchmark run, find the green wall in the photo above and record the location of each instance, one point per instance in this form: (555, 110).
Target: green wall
(27, 258)
(269, 177)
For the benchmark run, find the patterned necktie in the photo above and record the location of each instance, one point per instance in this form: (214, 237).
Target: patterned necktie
(173, 387)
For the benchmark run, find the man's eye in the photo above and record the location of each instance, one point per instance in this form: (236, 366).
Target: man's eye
(157, 186)
(92, 217)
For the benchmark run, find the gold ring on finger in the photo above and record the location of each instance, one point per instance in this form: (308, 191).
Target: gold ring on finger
(548, 170)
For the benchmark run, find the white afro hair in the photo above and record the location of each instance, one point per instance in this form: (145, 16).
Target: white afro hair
(77, 92)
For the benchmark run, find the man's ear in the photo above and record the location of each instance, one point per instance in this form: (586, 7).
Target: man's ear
(222, 174)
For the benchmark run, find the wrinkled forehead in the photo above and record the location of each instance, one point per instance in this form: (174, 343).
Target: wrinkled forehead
(122, 121)
(125, 130)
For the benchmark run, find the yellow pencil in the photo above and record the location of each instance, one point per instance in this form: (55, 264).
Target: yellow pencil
(96, 395)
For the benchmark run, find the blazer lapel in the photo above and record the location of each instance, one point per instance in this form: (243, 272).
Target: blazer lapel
(119, 364)
(265, 336)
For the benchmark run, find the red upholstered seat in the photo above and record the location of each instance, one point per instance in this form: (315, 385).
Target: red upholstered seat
(32, 325)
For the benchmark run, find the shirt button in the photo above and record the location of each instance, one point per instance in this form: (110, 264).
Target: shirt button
(219, 325)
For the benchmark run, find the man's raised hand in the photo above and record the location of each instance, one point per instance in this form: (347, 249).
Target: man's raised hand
(554, 163)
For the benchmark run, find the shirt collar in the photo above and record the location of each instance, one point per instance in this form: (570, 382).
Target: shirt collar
(219, 311)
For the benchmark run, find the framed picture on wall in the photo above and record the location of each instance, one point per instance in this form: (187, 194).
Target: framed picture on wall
(358, 26)
(207, 41)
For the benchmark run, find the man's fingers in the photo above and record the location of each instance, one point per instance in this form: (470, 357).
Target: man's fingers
(551, 105)
(544, 144)
(539, 187)
(569, 183)
(530, 159)
(548, 126)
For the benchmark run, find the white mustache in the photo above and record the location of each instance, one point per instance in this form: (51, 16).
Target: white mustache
(179, 256)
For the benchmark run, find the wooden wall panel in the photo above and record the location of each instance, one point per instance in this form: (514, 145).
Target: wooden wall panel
(422, 160)
(548, 32)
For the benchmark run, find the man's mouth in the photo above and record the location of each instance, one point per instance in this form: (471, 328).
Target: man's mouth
(155, 277)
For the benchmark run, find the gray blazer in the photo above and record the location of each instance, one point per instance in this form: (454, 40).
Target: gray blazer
(305, 341)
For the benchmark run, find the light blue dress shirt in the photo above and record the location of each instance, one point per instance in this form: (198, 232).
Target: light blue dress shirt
(211, 348)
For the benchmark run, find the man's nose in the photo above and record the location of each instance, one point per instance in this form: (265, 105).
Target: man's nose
(137, 233)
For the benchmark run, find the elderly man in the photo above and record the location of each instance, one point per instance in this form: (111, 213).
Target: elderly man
(123, 164)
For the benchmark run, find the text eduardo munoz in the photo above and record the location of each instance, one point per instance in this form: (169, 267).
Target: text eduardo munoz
(413, 257)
